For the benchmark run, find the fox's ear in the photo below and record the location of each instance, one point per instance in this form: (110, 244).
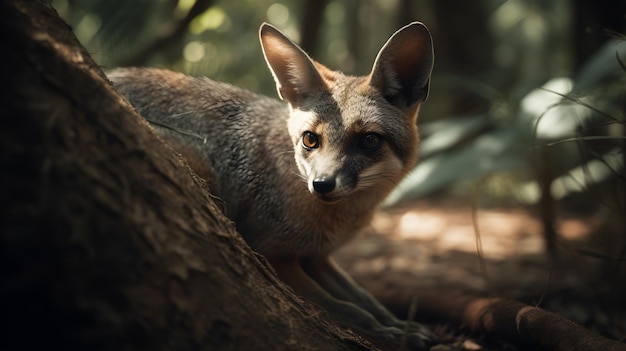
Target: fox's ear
(293, 70)
(402, 68)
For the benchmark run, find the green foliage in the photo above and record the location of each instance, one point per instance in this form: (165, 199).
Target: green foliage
(579, 121)
(222, 42)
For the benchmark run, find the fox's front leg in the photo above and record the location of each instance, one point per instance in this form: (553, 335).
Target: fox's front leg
(339, 284)
(346, 313)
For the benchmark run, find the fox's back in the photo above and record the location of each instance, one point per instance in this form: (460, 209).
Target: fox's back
(209, 123)
(196, 106)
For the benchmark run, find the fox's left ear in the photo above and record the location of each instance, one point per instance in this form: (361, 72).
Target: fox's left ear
(294, 72)
(402, 68)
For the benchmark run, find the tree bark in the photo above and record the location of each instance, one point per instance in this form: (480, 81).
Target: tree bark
(108, 240)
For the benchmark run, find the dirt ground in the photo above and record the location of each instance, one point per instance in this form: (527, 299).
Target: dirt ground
(433, 245)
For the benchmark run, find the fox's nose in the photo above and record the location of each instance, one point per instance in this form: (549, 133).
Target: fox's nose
(324, 185)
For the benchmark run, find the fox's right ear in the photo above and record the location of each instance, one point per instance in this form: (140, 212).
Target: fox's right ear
(402, 68)
(294, 72)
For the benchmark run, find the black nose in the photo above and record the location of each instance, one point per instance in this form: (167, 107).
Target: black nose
(324, 185)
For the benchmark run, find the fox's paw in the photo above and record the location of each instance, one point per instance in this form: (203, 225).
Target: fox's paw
(411, 329)
(389, 334)
(394, 338)
(417, 335)
(397, 334)
(418, 329)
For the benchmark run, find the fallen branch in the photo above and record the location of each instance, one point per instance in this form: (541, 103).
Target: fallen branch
(507, 319)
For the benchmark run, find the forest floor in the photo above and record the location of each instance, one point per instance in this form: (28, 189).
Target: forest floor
(433, 245)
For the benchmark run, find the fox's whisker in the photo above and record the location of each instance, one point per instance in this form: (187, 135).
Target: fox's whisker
(373, 179)
(300, 176)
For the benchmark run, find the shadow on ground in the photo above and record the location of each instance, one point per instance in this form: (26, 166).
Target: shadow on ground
(434, 245)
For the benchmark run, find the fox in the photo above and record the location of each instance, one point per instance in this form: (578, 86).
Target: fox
(300, 177)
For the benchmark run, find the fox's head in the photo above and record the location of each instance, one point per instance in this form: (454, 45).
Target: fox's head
(353, 133)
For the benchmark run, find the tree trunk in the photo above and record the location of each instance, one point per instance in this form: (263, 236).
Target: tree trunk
(311, 19)
(108, 240)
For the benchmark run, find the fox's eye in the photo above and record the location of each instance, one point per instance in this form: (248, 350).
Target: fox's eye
(370, 141)
(310, 140)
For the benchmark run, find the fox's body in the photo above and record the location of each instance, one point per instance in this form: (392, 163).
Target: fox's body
(256, 176)
(299, 180)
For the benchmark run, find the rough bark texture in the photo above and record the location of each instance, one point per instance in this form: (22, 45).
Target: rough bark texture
(108, 241)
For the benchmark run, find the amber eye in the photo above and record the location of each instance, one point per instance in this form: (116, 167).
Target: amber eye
(370, 141)
(310, 140)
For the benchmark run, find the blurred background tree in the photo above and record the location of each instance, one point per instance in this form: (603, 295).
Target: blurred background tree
(528, 96)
